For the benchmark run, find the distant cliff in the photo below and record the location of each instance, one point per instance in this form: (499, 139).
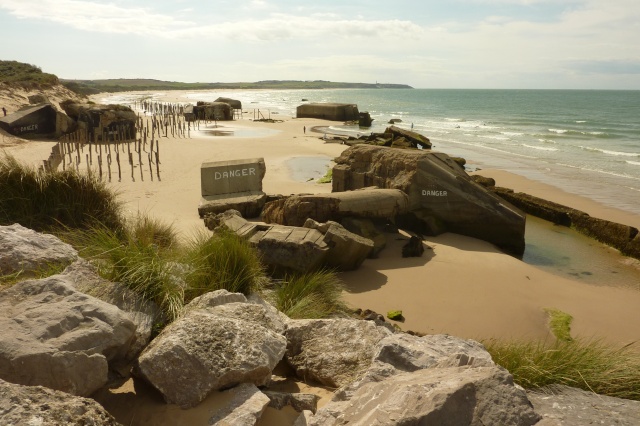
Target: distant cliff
(89, 87)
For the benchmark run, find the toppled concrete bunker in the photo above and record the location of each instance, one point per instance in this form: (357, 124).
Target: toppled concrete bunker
(328, 111)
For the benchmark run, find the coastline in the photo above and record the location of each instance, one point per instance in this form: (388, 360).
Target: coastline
(464, 286)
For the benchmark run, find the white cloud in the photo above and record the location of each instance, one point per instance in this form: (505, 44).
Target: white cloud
(89, 16)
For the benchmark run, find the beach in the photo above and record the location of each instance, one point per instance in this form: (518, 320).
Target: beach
(461, 286)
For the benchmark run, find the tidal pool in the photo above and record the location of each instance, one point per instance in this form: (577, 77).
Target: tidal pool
(565, 252)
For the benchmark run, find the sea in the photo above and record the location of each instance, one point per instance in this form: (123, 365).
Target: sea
(585, 142)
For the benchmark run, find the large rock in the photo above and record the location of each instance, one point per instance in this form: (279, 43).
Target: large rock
(57, 337)
(234, 103)
(442, 396)
(439, 191)
(574, 407)
(401, 352)
(24, 250)
(143, 313)
(333, 352)
(298, 401)
(244, 409)
(202, 352)
(365, 203)
(36, 405)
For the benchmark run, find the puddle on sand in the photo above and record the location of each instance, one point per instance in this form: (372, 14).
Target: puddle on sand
(233, 131)
(304, 169)
(565, 252)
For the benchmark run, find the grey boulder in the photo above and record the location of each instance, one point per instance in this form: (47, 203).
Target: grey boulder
(25, 250)
(57, 337)
(36, 405)
(202, 352)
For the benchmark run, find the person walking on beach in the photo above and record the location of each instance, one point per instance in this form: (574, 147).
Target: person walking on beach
(304, 129)
(4, 111)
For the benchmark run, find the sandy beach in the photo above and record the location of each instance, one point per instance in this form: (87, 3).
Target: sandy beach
(462, 286)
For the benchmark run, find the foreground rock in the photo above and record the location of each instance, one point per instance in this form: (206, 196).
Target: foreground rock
(436, 379)
(36, 405)
(143, 313)
(245, 408)
(332, 352)
(444, 396)
(568, 406)
(27, 251)
(303, 249)
(442, 197)
(202, 352)
(58, 337)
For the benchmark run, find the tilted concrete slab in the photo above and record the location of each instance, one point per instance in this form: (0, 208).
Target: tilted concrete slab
(369, 203)
(439, 190)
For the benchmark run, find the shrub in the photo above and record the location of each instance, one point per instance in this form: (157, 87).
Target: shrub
(45, 201)
(311, 295)
(222, 261)
(591, 365)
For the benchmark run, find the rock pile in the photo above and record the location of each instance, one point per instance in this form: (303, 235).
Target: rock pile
(59, 344)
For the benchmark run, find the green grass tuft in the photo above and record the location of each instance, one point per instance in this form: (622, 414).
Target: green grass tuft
(222, 261)
(327, 178)
(46, 201)
(311, 295)
(560, 324)
(591, 365)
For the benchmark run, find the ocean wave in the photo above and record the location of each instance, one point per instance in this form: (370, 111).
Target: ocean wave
(635, 163)
(558, 131)
(551, 141)
(490, 148)
(609, 152)
(512, 133)
(580, 121)
(605, 172)
(541, 148)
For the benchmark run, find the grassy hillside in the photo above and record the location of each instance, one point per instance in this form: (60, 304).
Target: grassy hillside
(25, 75)
(89, 87)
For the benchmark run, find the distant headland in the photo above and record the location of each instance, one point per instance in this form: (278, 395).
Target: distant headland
(89, 87)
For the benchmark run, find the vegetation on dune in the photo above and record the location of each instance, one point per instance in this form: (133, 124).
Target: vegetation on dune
(224, 261)
(24, 75)
(315, 294)
(89, 87)
(46, 201)
(591, 365)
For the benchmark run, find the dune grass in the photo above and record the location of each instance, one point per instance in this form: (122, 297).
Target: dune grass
(224, 261)
(315, 294)
(46, 201)
(591, 365)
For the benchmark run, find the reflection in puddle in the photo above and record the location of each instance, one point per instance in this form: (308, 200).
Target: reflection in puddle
(304, 169)
(234, 131)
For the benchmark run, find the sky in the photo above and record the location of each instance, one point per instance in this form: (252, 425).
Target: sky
(523, 44)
